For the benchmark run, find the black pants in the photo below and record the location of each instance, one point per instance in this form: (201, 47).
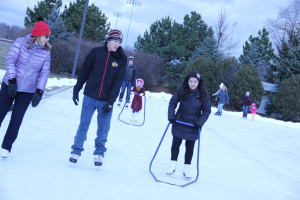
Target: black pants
(22, 101)
(189, 149)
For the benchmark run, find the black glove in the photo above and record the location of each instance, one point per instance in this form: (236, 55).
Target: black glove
(107, 107)
(172, 121)
(12, 87)
(36, 98)
(75, 96)
(196, 125)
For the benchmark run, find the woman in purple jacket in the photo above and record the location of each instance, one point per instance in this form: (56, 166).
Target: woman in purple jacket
(27, 69)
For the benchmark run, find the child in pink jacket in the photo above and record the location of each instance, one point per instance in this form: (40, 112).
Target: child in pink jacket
(253, 111)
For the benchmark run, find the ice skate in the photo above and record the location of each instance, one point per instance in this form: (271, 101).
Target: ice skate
(172, 168)
(187, 171)
(73, 159)
(4, 153)
(98, 160)
(120, 102)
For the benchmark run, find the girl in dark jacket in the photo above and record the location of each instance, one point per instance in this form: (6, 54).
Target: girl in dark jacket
(27, 69)
(137, 102)
(194, 108)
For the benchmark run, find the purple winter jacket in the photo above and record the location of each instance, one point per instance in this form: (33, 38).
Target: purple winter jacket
(30, 67)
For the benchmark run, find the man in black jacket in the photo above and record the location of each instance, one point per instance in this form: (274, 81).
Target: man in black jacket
(103, 71)
(129, 80)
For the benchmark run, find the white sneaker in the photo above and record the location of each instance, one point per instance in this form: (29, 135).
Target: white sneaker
(98, 160)
(4, 153)
(74, 158)
(187, 171)
(172, 168)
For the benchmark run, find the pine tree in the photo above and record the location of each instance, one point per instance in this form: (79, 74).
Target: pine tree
(42, 9)
(57, 26)
(96, 26)
(208, 48)
(174, 41)
(259, 53)
(286, 101)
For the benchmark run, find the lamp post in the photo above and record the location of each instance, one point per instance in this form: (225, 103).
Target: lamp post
(133, 3)
(117, 14)
(80, 37)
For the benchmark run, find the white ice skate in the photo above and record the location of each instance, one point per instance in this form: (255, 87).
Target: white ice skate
(73, 159)
(119, 103)
(187, 171)
(98, 160)
(4, 153)
(172, 168)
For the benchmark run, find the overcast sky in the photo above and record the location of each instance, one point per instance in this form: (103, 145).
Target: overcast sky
(249, 16)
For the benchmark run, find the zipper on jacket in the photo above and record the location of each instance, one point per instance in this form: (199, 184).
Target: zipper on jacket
(103, 76)
(28, 66)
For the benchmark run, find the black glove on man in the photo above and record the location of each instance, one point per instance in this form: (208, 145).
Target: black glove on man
(12, 87)
(75, 96)
(36, 98)
(107, 107)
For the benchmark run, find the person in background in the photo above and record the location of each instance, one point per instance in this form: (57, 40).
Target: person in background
(27, 69)
(224, 99)
(194, 108)
(137, 102)
(253, 111)
(129, 80)
(246, 100)
(103, 71)
(217, 92)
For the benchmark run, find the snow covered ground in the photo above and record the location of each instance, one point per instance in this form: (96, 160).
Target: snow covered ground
(239, 159)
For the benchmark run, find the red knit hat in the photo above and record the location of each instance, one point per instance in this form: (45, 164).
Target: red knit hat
(40, 28)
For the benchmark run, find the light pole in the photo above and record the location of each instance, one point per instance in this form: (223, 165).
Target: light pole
(80, 37)
(117, 14)
(133, 3)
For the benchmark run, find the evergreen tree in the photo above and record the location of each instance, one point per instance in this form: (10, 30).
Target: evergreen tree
(246, 79)
(286, 101)
(159, 39)
(57, 26)
(96, 26)
(43, 9)
(259, 53)
(174, 41)
(208, 48)
(288, 62)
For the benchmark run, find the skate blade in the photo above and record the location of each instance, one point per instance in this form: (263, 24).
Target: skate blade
(170, 173)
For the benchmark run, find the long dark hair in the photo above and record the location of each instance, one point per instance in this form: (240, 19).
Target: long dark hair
(185, 88)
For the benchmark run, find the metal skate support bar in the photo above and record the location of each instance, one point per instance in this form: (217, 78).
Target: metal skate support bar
(144, 111)
(158, 149)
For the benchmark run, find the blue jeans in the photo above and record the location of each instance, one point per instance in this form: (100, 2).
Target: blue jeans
(128, 85)
(22, 101)
(245, 110)
(89, 105)
(220, 107)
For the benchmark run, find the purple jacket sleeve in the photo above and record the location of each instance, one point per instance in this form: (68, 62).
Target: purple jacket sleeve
(12, 56)
(42, 80)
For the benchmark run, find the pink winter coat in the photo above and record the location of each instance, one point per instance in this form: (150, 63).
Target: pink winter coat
(253, 109)
(30, 67)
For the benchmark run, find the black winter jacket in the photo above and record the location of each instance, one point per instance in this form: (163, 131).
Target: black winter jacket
(131, 73)
(103, 73)
(190, 111)
(246, 100)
